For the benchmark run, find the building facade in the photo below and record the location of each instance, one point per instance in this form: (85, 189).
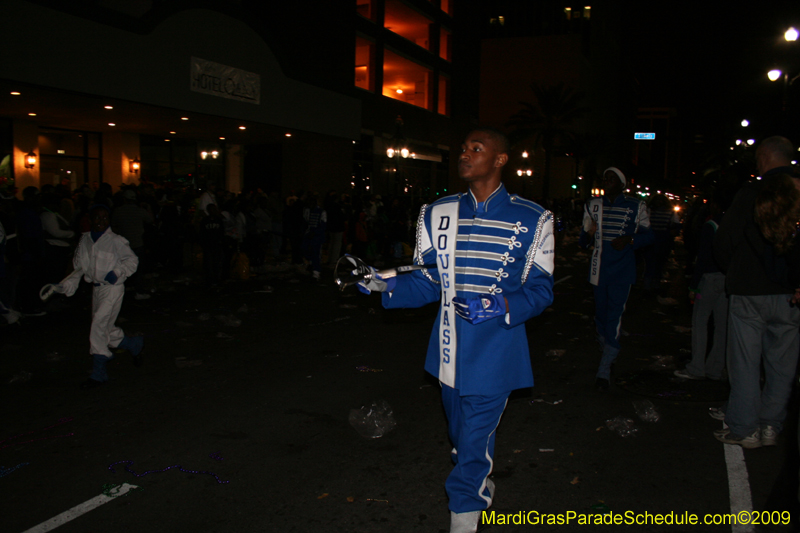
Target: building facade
(247, 94)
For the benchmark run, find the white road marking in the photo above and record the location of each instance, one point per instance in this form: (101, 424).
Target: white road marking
(78, 510)
(738, 485)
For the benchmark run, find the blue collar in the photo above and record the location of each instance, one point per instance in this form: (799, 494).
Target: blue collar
(493, 198)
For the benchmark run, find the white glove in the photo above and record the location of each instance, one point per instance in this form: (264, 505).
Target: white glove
(48, 290)
(376, 283)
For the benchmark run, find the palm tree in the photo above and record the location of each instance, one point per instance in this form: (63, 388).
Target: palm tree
(549, 121)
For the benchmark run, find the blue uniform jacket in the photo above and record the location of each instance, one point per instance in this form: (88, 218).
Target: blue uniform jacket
(505, 249)
(624, 216)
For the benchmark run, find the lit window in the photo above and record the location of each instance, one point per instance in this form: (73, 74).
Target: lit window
(447, 7)
(501, 19)
(407, 22)
(587, 12)
(443, 107)
(444, 45)
(365, 59)
(568, 12)
(366, 9)
(400, 74)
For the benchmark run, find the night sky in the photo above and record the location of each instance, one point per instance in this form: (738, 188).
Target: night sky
(710, 61)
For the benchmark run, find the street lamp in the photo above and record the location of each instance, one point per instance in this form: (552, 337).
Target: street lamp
(790, 35)
(774, 75)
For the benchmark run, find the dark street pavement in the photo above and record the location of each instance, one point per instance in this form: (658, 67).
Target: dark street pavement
(263, 407)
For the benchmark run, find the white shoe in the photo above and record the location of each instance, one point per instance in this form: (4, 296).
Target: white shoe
(685, 374)
(464, 522)
(12, 316)
(769, 437)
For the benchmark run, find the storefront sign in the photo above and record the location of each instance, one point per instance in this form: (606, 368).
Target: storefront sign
(644, 136)
(224, 81)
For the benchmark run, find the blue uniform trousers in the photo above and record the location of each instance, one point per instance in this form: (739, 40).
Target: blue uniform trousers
(472, 422)
(609, 301)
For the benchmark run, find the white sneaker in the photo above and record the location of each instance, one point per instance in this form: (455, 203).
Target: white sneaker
(464, 522)
(769, 436)
(12, 316)
(687, 375)
(748, 441)
(716, 413)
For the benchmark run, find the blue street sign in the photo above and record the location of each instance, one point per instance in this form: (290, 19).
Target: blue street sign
(644, 136)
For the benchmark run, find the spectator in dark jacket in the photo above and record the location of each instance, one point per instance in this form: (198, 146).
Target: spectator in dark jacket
(761, 263)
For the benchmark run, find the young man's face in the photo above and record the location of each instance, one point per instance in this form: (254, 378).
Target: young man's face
(480, 157)
(99, 219)
(612, 185)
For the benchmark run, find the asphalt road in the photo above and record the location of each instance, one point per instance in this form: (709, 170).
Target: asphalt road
(251, 421)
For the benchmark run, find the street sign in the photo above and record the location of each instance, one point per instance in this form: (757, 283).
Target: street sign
(644, 136)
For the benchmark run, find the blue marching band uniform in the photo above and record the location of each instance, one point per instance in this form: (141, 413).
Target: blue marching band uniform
(503, 246)
(612, 272)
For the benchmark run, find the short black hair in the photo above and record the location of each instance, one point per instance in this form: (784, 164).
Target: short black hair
(500, 138)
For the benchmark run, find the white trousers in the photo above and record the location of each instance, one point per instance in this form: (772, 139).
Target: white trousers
(106, 303)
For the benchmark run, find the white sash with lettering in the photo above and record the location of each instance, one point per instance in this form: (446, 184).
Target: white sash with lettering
(595, 211)
(444, 229)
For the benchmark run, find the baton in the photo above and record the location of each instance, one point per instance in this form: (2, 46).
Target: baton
(351, 270)
(48, 290)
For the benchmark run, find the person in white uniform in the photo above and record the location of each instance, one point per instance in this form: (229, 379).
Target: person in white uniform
(105, 260)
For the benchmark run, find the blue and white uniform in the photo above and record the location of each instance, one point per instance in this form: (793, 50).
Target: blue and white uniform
(503, 246)
(612, 271)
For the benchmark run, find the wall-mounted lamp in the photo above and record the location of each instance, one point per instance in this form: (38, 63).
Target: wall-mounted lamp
(397, 144)
(30, 160)
(134, 166)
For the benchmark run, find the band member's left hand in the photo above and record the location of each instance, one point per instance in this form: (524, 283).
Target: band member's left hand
(484, 307)
(622, 241)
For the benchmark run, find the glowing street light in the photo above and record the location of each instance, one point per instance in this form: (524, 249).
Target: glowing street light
(745, 123)
(790, 35)
(774, 74)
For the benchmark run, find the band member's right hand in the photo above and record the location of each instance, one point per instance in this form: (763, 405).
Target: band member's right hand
(374, 282)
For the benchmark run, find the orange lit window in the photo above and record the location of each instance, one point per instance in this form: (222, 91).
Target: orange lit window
(365, 61)
(366, 8)
(407, 22)
(406, 80)
(444, 44)
(447, 7)
(443, 107)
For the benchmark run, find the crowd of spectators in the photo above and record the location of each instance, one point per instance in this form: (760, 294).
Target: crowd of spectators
(172, 229)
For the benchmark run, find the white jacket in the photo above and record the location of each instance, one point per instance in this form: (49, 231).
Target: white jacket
(94, 260)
